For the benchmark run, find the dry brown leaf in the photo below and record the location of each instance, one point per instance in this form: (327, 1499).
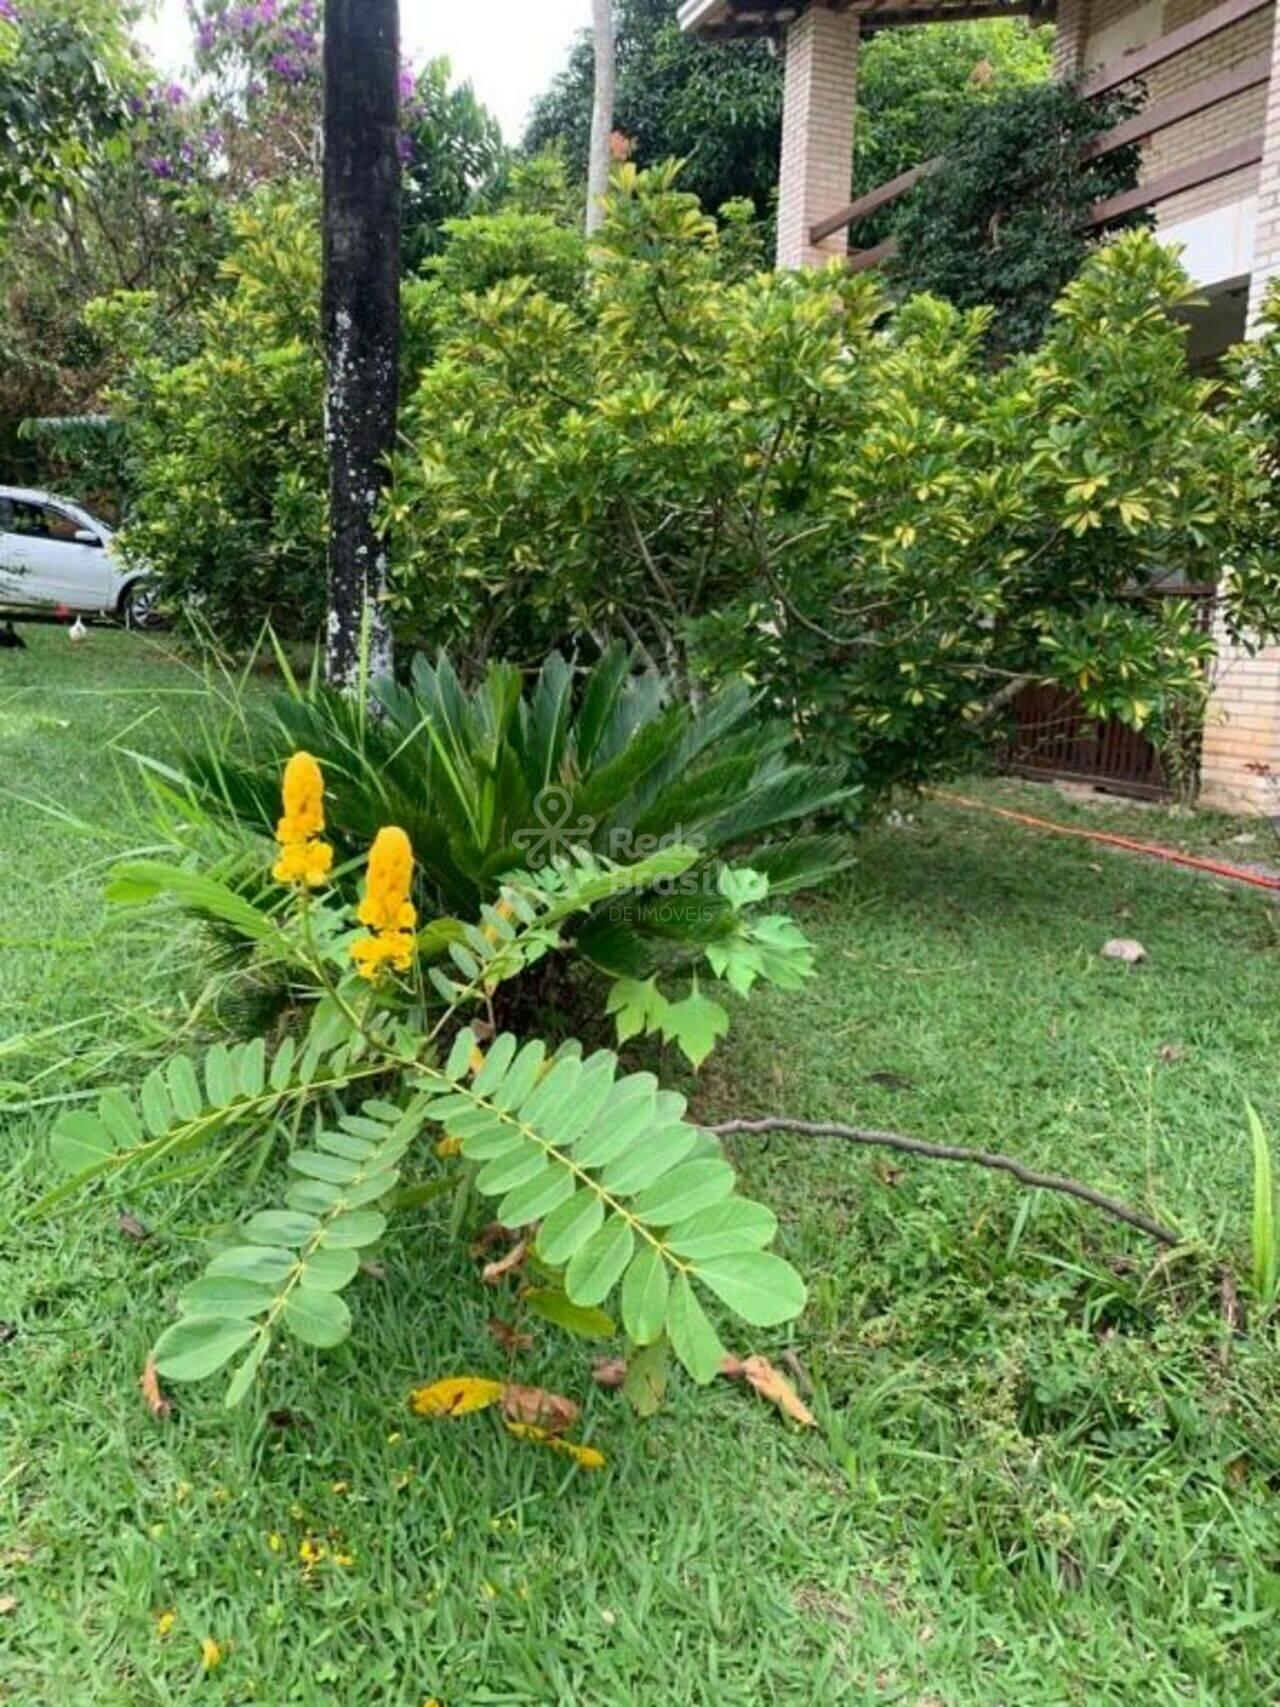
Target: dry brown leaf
(509, 1338)
(149, 1381)
(771, 1385)
(1172, 1052)
(8, 1604)
(132, 1228)
(536, 1405)
(609, 1371)
(492, 1272)
(494, 1234)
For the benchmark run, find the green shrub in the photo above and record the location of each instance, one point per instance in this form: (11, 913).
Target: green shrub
(505, 777)
(781, 476)
(225, 444)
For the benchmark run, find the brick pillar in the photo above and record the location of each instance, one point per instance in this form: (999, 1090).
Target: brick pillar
(1242, 726)
(1266, 236)
(1072, 27)
(1240, 763)
(816, 174)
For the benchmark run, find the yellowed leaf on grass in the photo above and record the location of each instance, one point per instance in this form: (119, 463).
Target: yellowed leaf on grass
(759, 1373)
(585, 1457)
(149, 1381)
(455, 1396)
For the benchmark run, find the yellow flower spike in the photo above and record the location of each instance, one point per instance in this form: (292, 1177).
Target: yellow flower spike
(386, 908)
(164, 1622)
(305, 860)
(303, 795)
(211, 1654)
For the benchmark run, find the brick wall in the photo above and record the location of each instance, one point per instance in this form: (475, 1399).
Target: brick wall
(1070, 36)
(1266, 242)
(1117, 27)
(816, 173)
(1242, 731)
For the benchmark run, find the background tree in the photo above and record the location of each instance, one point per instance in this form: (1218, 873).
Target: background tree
(361, 317)
(452, 153)
(917, 86)
(715, 106)
(68, 70)
(718, 106)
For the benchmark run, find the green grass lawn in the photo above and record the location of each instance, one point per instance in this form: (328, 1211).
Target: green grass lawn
(1046, 1472)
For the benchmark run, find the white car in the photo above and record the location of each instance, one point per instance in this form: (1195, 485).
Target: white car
(54, 552)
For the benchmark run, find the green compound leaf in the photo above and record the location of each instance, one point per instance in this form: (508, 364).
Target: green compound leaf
(199, 1345)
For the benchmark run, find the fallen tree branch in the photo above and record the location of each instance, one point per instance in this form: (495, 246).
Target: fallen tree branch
(957, 1153)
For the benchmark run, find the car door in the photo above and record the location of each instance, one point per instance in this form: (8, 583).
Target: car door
(58, 567)
(10, 580)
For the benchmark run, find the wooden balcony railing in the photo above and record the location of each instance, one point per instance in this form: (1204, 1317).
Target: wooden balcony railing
(1198, 97)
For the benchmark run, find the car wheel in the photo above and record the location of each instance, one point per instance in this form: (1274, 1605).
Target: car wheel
(137, 606)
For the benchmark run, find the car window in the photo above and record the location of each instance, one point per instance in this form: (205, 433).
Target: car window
(28, 519)
(58, 525)
(6, 515)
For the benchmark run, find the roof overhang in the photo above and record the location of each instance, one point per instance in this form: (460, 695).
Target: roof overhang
(721, 19)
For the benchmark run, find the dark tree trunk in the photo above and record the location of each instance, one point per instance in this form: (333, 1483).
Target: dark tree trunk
(361, 315)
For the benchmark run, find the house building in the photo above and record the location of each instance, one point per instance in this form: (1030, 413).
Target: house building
(1210, 135)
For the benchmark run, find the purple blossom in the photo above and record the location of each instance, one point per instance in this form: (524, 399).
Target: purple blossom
(206, 35)
(407, 84)
(160, 166)
(287, 68)
(9, 10)
(175, 95)
(404, 145)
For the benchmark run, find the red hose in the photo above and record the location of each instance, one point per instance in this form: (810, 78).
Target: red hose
(1153, 850)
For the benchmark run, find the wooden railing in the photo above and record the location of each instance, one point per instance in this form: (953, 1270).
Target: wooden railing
(1198, 97)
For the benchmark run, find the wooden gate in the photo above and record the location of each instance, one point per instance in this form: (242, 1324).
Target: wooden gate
(1053, 737)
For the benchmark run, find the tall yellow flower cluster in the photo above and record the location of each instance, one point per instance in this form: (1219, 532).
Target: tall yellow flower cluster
(386, 908)
(305, 857)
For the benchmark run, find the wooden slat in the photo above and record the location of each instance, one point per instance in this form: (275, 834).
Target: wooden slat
(1177, 41)
(1208, 92)
(862, 259)
(889, 191)
(1205, 171)
(962, 12)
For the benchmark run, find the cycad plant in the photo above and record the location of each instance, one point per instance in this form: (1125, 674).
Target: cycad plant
(504, 776)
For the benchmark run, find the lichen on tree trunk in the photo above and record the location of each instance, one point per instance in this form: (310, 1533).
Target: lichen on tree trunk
(602, 34)
(361, 318)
